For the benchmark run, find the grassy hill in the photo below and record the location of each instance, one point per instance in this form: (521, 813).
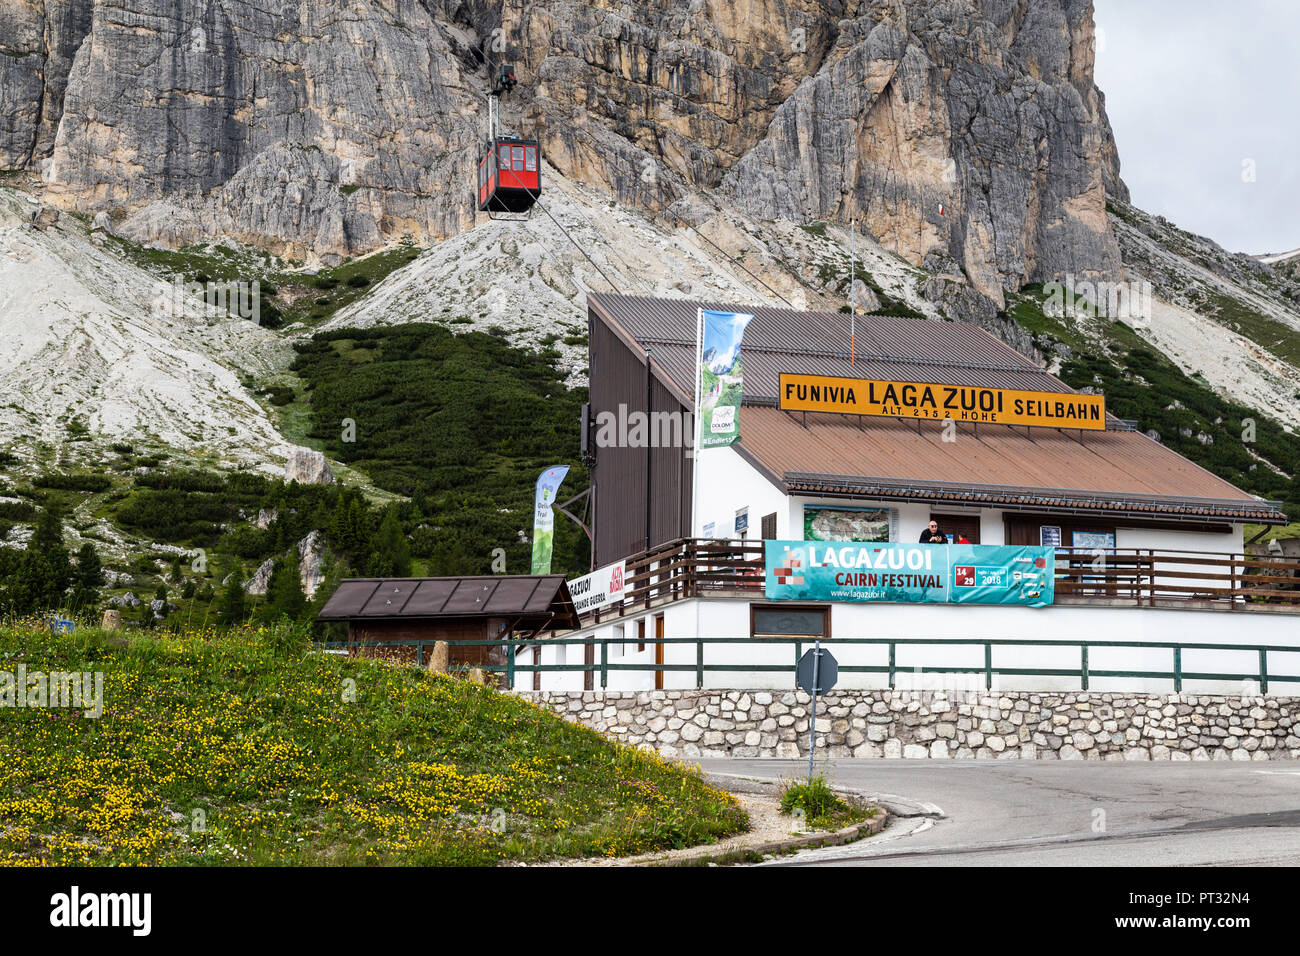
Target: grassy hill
(239, 748)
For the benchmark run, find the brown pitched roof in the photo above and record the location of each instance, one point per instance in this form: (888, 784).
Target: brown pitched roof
(1118, 471)
(816, 343)
(540, 599)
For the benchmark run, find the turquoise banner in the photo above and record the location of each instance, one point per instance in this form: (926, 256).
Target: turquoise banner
(910, 573)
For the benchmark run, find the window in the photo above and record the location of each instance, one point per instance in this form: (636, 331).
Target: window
(503, 153)
(530, 159)
(640, 635)
(769, 527)
(518, 152)
(956, 526)
(767, 620)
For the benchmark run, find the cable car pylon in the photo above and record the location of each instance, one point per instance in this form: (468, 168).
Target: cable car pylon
(510, 172)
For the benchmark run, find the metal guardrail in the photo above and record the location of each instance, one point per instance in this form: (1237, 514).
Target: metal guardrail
(1177, 674)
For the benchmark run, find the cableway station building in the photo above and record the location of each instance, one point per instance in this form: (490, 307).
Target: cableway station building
(930, 421)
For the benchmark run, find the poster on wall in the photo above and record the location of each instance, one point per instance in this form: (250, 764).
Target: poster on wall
(1049, 536)
(910, 573)
(831, 523)
(1093, 540)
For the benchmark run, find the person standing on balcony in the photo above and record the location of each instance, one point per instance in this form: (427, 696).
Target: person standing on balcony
(933, 534)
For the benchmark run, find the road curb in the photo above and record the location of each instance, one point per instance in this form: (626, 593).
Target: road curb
(711, 856)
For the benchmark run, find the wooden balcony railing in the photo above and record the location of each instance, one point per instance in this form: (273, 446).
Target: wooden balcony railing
(1139, 577)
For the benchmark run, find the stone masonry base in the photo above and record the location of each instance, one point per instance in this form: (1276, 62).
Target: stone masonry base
(929, 724)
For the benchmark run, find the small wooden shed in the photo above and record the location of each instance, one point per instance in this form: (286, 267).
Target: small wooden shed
(406, 616)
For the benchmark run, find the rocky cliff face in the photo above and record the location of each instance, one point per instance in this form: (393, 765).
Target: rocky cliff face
(309, 128)
(966, 135)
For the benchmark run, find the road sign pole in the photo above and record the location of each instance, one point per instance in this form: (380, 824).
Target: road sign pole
(812, 722)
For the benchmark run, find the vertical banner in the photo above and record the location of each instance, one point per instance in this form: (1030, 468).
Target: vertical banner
(720, 377)
(544, 518)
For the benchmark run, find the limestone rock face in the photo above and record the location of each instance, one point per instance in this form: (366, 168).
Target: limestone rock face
(308, 467)
(257, 584)
(308, 128)
(311, 556)
(968, 131)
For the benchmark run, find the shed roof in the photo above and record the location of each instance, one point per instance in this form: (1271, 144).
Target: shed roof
(531, 599)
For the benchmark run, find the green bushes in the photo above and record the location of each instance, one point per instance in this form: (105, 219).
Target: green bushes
(815, 798)
(94, 483)
(1144, 386)
(465, 423)
(820, 807)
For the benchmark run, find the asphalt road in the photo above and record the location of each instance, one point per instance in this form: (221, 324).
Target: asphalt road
(1060, 813)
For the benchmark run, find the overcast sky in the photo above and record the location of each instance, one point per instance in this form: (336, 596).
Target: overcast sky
(1204, 97)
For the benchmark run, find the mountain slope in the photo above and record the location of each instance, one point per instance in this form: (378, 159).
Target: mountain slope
(97, 344)
(969, 133)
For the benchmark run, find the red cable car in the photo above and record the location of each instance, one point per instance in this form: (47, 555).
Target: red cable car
(510, 176)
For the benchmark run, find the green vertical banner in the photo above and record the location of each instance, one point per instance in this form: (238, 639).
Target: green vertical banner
(544, 518)
(720, 377)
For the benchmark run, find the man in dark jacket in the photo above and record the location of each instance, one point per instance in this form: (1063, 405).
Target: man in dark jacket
(933, 534)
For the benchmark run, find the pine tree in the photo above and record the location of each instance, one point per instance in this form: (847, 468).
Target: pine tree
(284, 595)
(392, 552)
(89, 578)
(45, 570)
(233, 608)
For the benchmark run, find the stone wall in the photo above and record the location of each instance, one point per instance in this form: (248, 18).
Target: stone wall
(926, 724)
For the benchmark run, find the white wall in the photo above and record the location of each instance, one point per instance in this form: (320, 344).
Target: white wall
(992, 530)
(728, 483)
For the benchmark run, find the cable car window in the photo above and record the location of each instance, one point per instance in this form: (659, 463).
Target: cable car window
(530, 159)
(519, 158)
(505, 157)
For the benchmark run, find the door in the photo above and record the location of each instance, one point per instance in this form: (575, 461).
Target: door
(659, 651)
(589, 659)
(537, 675)
(959, 525)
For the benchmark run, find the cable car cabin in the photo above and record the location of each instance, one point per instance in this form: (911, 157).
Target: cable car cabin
(510, 176)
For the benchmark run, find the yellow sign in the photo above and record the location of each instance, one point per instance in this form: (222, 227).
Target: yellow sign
(961, 403)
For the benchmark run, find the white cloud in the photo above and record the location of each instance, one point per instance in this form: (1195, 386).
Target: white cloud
(1200, 93)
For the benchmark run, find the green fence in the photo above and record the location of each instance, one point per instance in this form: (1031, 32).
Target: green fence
(602, 667)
